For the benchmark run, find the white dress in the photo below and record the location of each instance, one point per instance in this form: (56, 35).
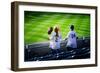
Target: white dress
(55, 41)
(71, 41)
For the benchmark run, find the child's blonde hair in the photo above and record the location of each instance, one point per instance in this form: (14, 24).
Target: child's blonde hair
(56, 30)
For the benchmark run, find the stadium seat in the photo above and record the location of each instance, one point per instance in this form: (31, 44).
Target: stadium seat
(41, 51)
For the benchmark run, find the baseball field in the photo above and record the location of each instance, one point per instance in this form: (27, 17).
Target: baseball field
(36, 25)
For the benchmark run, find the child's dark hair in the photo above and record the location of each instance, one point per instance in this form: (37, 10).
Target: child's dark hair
(72, 27)
(50, 30)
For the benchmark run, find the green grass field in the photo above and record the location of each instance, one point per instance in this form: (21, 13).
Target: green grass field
(36, 25)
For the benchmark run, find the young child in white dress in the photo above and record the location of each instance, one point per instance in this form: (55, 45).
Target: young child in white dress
(50, 33)
(55, 39)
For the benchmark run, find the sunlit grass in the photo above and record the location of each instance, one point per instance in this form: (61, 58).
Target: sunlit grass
(36, 25)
